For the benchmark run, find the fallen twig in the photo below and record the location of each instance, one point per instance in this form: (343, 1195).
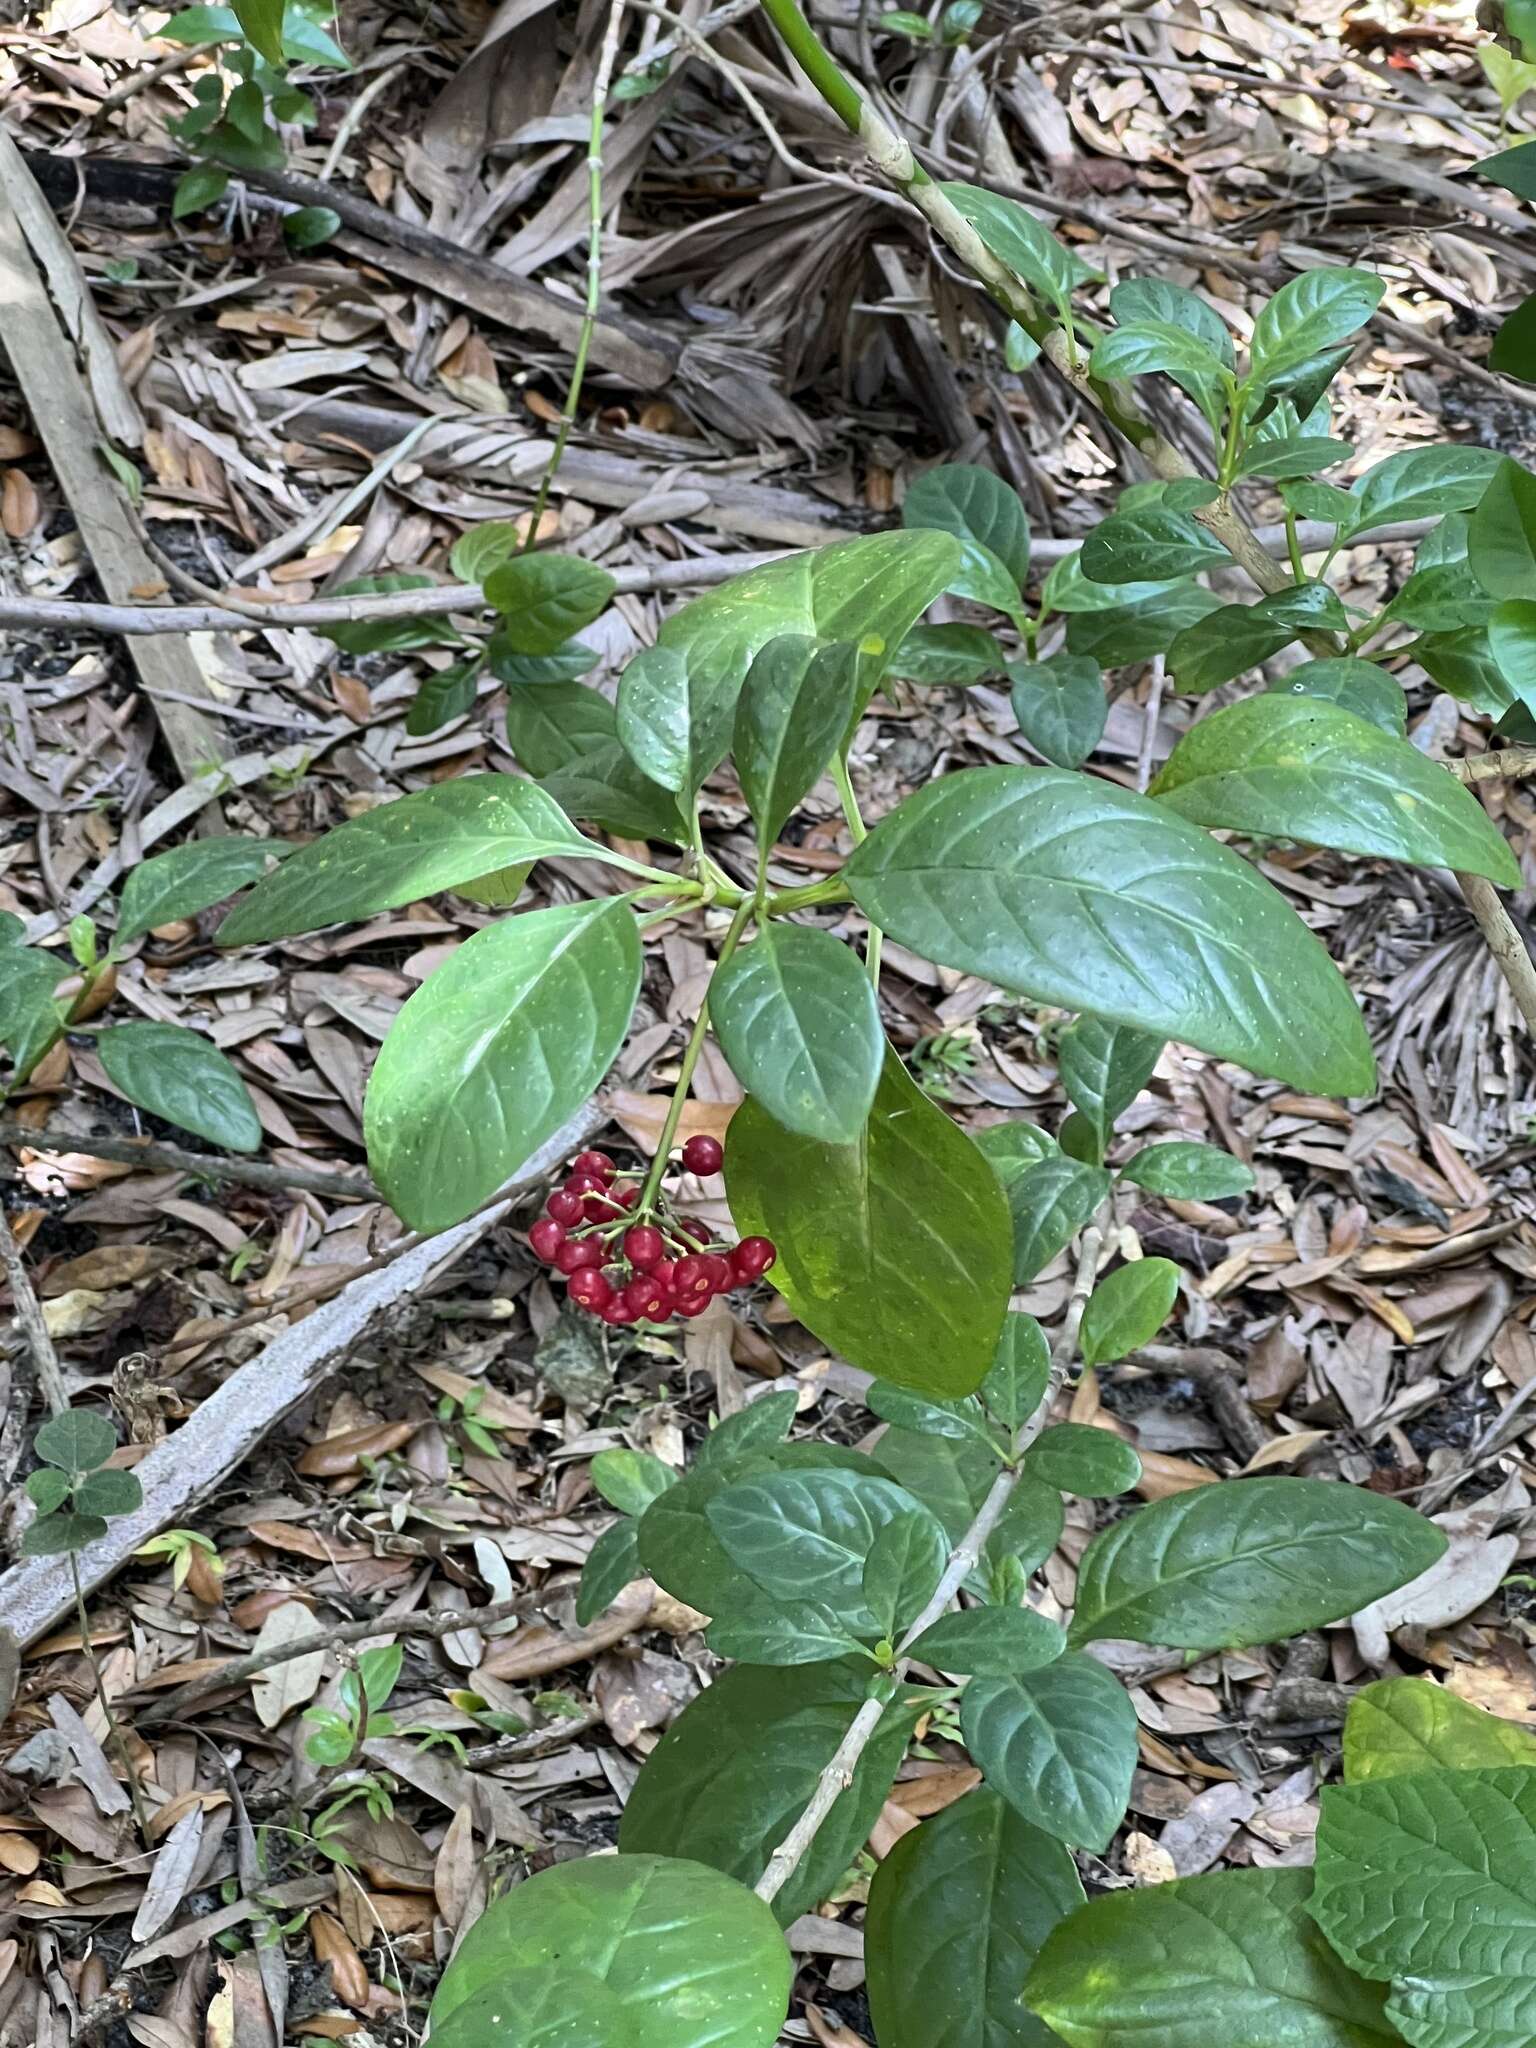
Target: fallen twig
(29, 1314)
(251, 1173)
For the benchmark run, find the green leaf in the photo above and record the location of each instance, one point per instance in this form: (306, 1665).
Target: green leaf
(1229, 1961)
(1127, 1309)
(1188, 1172)
(796, 1017)
(1403, 1727)
(365, 636)
(196, 190)
(262, 22)
(694, 1960)
(950, 1475)
(30, 1019)
(553, 2007)
(552, 725)
(544, 599)
(1068, 590)
(1512, 643)
(630, 1480)
(612, 1562)
(1060, 705)
(1354, 685)
(1441, 599)
(794, 707)
(1013, 1148)
(565, 665)
(762, 1425)
(1136, 301)
(1502, 537)
(1084, 895)
(308, 226)
(1116, 634)
(988, 520)
(1463, 664)
(57, 1535)
(109, 1492)
(892, 1250)
(76, 1441)
(1059, 1744)
(1050, 1204)
(1016, 1385)
(1024, 244)
(602, 783)
(492, 1054)
(956, 1419)
(184, 1078)
(674, 726)
(1300, 455)
(442, 697)
(869, 591)
(993, 1642)
(1514, 169)
(737, 1767)
(1248, 1561)
(332, 1737)
(1148, 543)
(905, 1562)
(947, 654)
(1297, 768)
(1103, 1068)
(1431, 1882)
(1020, 348)
(414, 847)
(1139, 349)
(1514, 346)
(48, 1488)
(1239, 636)
(764, 1629)
(898, 22)
(188, 879)
(1311, 313)
(484, 548)
(957, 1912)
(1420, 483)
(811, 1531)
(1076, 1458)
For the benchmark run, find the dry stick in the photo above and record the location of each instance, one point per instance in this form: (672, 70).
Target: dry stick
(892, 157)
(29, 1314)
(251, 1173)
(838, 1774)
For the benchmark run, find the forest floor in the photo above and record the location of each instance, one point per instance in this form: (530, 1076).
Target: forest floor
(782, 352)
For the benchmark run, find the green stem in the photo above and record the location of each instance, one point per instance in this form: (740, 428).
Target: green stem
(858, 831)
(1293, 546)
(685, 1072)
(804, 45)
(114, 1732)
(833, 890)
(607, 58)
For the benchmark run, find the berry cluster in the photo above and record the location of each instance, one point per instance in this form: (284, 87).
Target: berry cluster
(629, 1267)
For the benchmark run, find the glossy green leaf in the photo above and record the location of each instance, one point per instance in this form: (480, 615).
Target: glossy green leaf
(906, 1560)
(1017, 239)
(1514, 169)
(413, 847)
(1430, 1882)
(957, 1913)
(762, 1425)
(1514, 346)
(794, 707)
(1058, 1743)
(490, 1056)
(544, 599)
(1076, 1458)
(1014, 1147)
(1512, 643)
(1188, 1172)
(552, 2007)
(57, 1535)
(109, 1492)
(1127, 1309)
(987, 519)
(947, 654)
(1298, 768)
(1354, 685)
(1312, 312)
(1239, 636)
(1502, 537)
(993, 1642)
(1060, 705)
(1050, 1204)
(1421, 483)
(1248, 1561)
(809, 1532)
(674, 722)
(1103, 1068)
(76, 1440)
(601, 783)
(950, 1475)
(1227, 1961)
(443, 697)
(737, 1767)
(1016, 1385)
(1441, 599)
(1146, 346)
(520, 671)
(695, 1960)
(630, 1480)
(1403, 1727)
(1116, 634)
(1301, 455)
(1077, 893)
(484, 548)
(262, 24)
(177, 1074)
(894, 1250)
(955, 1419)
(766, 1629)
(188, 879)
(796, 1017)
(550, 725)
(612, 1562)
(1068, 590)
(1148, 543)
(1138, 300)
(1463, 664)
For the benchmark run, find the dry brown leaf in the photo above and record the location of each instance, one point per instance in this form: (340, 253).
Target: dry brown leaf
(170, 1875)
(934, 1790)
(276, 1692)
(335, 1456)
(20, 506)
(349, 1978)
(642, 1117)
(1163, 1475)
(1285, 1450)
(1148, 1861)
(536, 1651)
(453, 1874)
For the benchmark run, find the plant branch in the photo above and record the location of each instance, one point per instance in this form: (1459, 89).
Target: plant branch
(685, 1072)
(34, 1326)
(252, 1173)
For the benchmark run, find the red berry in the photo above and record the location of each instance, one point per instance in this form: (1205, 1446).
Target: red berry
(626, 1197)
(577, 1252)
(615, 1311)
(600, 1208)
(663, 1271)
(696, 1228)
(589, 1288)
(703, 1155)
(564, 1207)
(546, 1238)
(643, 1246)
(721, 1278)
(644, 1299)
(752, 1258)
(694, 1307)
(596, 1163)
(692, 1279)
(585, 1184)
